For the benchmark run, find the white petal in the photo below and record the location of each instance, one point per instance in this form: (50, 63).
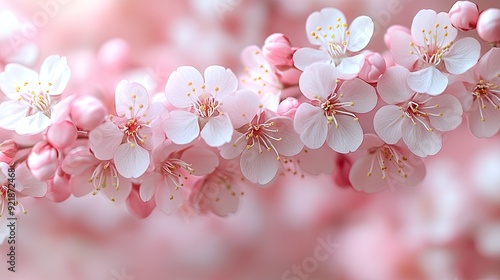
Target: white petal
(392, 86)
(181, 127)
(33, 124)
(347, 137)
(258, 167)
(462, 55)
(241, 107)
(488, 68)
(318, 81)
(204, 161)
(290, 143)
(365, 178)
(361, 94)
(168, 198)
(149, 184)
(400, 49)
(217, 131)
(428, 80)
(28, 183)
(420, 141)
(324, 18)
(220, 81)
(304, 57)
(311, 124)
(387, 123)
(16, 75)
(183, 86)
(55, 70)
(131, 99)
(11, 113)
(234, 148)
(361, 32)
(104, 140)
(131, 160)
(120, 194)
(349, 67)
(447, 114)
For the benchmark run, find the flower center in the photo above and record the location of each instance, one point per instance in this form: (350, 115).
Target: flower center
(417, 112)
(486, 93)
(6, 196)
(262, 135)
(388, 157)
(334, 39)
(102, 173)
(205, 107)
(131, 127)
(333, 106)
(434, 49)
(173, 168)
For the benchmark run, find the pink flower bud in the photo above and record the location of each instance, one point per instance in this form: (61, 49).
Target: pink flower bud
(58, 188)
(43, 161)
(463, 15)
(390, 32)
(341, 173)
(8, 150)
(278, 51)
(114, 54)
(488, 25)
(62, 135)
(137, 207)
(87, 112)
(288, 107)
(373, 67)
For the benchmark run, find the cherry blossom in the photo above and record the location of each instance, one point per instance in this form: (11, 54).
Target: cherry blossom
(201, 98)
(89, 174)
(479, 91)
(382, 165)
(431, 52)
(338, 43)
(127, 137)
(415, 117)
(330, 116)
(173, 167)
(32, 96)
(261, 137)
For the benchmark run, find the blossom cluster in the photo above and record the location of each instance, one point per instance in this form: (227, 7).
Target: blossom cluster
(369, 119)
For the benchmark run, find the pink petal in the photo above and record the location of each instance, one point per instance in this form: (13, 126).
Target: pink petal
(241, 107)
(484, 126)
(362, 95)
(54, 70)
(392, 85)
(448, 112)
(234, 148)
(258, 167)
(117, 195)
(365, 175)
(181, 127)
(217, 131)
(419, 140)
(488, 68)
(361, 30)
(428, 80)
(318, 161)
(387, 123)
(183, 86)
(168, 198)
(304, 57)
(80, 184)
(400, 49)
(149, 184)
(225, 202)
(146, 134)
(462, 55)
(27, 183)
(204, 161)
(131, 99)
(290, 143)
(131, 160)
(220, 81)
(318, 81)
(104, 140)
(78, 161)
(347, 137)
(312, 125)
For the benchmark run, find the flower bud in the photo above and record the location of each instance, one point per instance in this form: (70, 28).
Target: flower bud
(136, 206)
(488, 25)
(288, 107)
(463, 15)
(373, 67)
(341, 174)
(278, 51)
(390, 32)
(43, 161)
(87, 112)
(58, 188)
(8, 150)
(62, 135)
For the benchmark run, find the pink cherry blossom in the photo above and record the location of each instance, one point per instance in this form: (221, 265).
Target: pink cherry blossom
(330, 116)
(261, 137)
(91, 175)
(87, 112)
(62, 134)
(136, 206)
(382, 165)
(278, 51)
(488, 25)
(431, 52)
(32, 95)
(201, 99)
(415, 117)
(373, 67)
(479, 92)
(173, 167)
(261, 77)
(127, 137)
(464, 15)
(339, 43)
(43, 161)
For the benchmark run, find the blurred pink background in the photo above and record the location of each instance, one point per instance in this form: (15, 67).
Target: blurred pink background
(446, 228)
